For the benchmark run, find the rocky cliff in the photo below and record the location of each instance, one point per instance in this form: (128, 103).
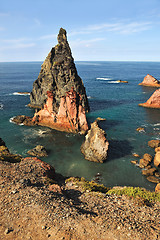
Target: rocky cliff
(150, 81)
(58, 74)
(153, 101)
(59, 91)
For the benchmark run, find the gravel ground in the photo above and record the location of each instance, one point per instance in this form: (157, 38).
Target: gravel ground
(34, 207)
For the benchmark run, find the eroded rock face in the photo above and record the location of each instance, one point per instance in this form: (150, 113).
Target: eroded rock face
(95, 146)
(70, 117)
(58, 74)
(150, 81)
(153, 101)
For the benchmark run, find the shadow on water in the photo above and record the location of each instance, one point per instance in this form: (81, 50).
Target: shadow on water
(119, 149)
(97, 105)
(152, 114)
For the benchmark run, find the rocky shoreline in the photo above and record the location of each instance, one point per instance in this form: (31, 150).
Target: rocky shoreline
(38, 203)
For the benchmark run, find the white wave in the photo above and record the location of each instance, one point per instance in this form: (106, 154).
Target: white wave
(156, 124)
(11, 120)
(20, 94)
(89, 97)
(104, 78)
(1, 106)
(113, 82)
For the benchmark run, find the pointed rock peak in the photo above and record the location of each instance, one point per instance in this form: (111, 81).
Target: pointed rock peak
(62, 36)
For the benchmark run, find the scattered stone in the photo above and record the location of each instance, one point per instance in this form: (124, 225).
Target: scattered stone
(154, 143)
(157, 159)
(95, 146)
(136, 155)
(134, 162)
(147, 157)
(153, 179)
(157, 174)
(8, 230)
(55, 188)
(140, 129)
(38, 151)
(149, 172)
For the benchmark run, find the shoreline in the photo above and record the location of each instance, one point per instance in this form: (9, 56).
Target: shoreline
(41, 207)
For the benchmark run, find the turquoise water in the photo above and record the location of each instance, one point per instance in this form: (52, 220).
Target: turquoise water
(117, 102)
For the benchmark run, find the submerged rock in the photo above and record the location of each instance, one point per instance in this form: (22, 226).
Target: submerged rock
(153, 101)
(59, 91)
(150, 81)
(154, 143)
(23, 120)
(95, 146)
(38, 151)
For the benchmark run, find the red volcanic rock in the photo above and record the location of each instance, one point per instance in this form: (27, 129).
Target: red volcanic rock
(153, 101)
(71, 115)
(150, 81)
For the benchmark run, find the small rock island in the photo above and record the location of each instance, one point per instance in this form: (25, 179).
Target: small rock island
(58, 95)
(150, 81)
(153, 101)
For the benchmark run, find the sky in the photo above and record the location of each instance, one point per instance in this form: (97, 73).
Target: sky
(97, 30)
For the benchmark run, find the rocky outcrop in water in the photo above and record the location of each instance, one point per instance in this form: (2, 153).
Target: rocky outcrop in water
(95, 146)
(38, 151)
(153, 101)
(150, 81)
(59, 91)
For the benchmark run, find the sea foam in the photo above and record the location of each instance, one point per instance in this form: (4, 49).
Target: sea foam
(1, 106)
(104, 78)
(20, 94)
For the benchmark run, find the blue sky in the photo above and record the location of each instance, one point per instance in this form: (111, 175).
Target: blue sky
(98, 30)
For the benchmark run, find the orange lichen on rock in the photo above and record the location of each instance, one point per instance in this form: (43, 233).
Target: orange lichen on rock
(150, 81)
(71, 115)
(153, 101)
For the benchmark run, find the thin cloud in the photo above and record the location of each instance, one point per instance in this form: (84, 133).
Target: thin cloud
(85, 43)
(117, 27)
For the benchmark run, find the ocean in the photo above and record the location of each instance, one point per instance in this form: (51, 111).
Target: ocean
(116, 102)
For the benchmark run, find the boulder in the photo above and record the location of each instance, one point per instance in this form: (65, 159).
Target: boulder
(95, 146)
(59, 91)
(38, 151)
(153, 101)
(157, 159)
(154, 143)
(140, 129)
(153, 179)
(157, 149)
(145, 161)
(157, 188)
(150, 81)
(149, 172)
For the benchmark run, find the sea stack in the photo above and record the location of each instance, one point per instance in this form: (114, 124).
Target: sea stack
(58, 95)
(150, 81)
(153, 101)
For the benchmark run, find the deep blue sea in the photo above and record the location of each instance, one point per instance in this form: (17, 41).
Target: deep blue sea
(117, 102)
